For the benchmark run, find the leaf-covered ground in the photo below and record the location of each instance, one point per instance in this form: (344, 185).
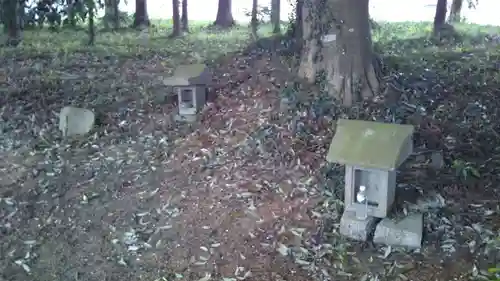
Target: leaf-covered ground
(245, 194)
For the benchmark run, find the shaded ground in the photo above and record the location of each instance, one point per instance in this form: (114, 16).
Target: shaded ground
(245, 194)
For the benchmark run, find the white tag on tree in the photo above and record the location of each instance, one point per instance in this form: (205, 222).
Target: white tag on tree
(329, 38)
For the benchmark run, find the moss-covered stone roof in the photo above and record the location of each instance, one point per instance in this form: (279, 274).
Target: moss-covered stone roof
(188, 74)
(368, 144)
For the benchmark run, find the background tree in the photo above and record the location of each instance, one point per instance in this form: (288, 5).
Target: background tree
(224, 14)
(337, 43)
(455, 9)
(71, 12)
(141, 17)
(294, 31)
(91, 14)
(111, 14)
(184, 18)
(176, 19)
(440, 16)
(116, 16)
(11, 20)
(254, 22)
(275, 15)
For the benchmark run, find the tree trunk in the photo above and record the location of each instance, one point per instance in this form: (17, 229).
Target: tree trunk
(254, 21)
(295, 29)
(224, 14)
(21, 14)
(440, 17)
(111, 14)
(275, 15)
(116, 14)
(456, 8)
(91, 7)
(184, 18)
(70, 4)
(337, 42)
(299, 9)
(11, 19)
(141, 14)
(108, 13)
(176, 19)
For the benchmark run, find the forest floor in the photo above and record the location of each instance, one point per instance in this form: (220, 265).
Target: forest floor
(245, 194)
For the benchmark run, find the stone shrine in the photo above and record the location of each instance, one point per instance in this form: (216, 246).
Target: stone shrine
(190, 85)
(371, 153)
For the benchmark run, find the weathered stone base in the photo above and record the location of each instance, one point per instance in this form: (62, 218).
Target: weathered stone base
(355, 228)
(185, 118)
(406, 232)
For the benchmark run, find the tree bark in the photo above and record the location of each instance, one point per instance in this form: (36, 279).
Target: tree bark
(116, 14)
(184, 18)
(440, 16)
(455, 11)
(176, 19)
(111, 14)
(141, 17)
(337, 42)
(224, 14)
(254, 21)
(295, 29)
(70, 4)
(11, 19)
(91, 9)
(275, 15)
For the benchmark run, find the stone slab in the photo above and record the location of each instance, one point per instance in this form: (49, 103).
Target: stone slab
(406, 232)
(356, 228)
(75, 121)
(371, 145)
(185, 118)
(189, 74)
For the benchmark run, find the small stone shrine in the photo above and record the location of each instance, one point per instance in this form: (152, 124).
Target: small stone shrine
(190, 85)
(371, 153)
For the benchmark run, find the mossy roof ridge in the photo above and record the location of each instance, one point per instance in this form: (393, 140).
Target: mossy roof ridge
(188, 75)
(370, 144)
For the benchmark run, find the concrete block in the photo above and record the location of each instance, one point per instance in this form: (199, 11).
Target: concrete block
(406, 232)
(356, 228)
(74, 121)
(188, 118)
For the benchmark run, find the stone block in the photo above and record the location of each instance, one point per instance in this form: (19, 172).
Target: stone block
(189, 75)
(188, 118)
(356, 228)
(406, 232)
(75, 121)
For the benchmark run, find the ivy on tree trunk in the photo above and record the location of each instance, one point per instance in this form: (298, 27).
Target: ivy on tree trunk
(224, 14)
(337, 43)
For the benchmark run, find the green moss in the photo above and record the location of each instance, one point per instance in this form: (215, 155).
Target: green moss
(370, 144)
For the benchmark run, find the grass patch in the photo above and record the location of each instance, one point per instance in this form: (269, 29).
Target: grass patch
(202, 44)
